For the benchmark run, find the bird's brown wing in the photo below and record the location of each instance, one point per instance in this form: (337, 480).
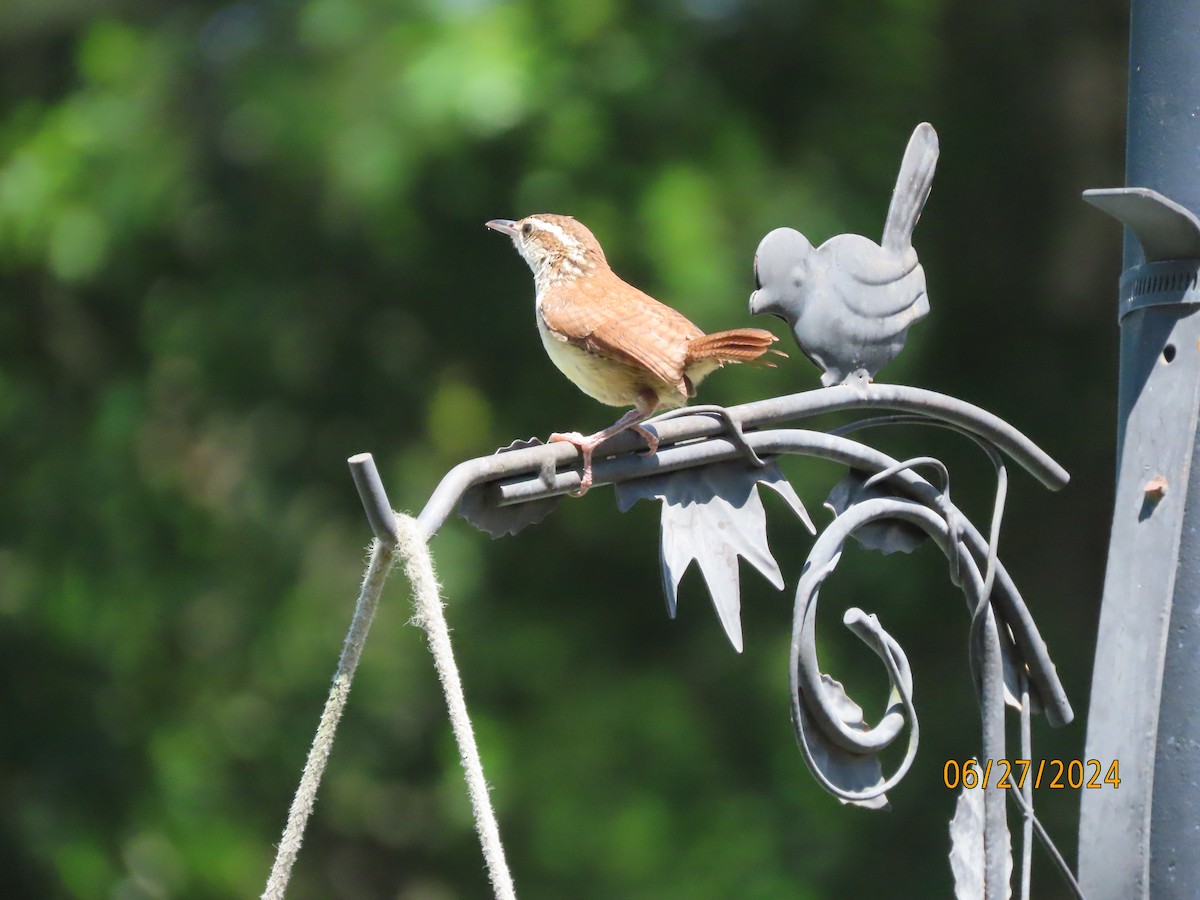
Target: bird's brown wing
(610, 318)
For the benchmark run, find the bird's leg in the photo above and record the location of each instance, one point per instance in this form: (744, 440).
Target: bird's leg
(646, 404)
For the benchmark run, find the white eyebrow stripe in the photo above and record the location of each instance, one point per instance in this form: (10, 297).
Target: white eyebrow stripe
(556, 230)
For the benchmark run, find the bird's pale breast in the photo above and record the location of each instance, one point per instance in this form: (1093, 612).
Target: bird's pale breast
(610, 381)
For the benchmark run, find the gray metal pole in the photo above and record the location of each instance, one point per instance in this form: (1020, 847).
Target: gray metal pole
(1142, 838)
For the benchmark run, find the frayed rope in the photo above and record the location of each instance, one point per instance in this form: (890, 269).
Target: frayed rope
(428, 615)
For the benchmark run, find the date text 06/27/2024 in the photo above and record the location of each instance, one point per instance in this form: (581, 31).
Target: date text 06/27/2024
(1055, 774)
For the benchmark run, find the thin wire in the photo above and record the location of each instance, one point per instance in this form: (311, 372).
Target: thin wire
(1026, 788)
(1048, 844)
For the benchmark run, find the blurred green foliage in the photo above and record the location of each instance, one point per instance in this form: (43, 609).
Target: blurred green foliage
(240, 242)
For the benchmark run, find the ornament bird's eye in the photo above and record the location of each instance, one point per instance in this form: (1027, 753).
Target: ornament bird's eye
(527, 228)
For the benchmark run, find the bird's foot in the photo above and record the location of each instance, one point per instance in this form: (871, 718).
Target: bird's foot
(586, 445)
(651, 440)
(858, 381)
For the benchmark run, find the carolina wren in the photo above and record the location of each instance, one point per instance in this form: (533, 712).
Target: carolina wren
(617, 344)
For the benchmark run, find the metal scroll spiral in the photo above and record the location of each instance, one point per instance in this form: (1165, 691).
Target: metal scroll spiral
(840, 747)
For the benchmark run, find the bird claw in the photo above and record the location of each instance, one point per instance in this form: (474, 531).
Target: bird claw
(585, 447)
(588, 444)
(858, 381)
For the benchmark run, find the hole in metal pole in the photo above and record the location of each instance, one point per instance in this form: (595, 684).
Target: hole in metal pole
(1168, 354)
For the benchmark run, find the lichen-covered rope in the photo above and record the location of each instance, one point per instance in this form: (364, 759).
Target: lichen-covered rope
(428, 614)
(382, 557)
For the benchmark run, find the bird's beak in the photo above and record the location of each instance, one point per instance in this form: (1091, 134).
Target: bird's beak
(504, 226)
(754, 304)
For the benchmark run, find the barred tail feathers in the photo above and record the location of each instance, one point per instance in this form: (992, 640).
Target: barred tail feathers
(736, 346)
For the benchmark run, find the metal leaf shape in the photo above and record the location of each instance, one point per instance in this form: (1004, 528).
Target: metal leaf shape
(889, 536)
(850, 772)
(966, 845)
(713, 515)
(966, 848)
(478, 505)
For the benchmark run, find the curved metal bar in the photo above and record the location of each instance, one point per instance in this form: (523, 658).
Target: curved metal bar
(985, 639)
(806, 682)
(733, 426)
(811, 698)
(949, 411)
(543, 459)
(849, 453)
(978, 617)
(868, 629)
(881, 421)
(933, 462)
(949, 511)
(997, 846)
(822, 559)
(992, 455)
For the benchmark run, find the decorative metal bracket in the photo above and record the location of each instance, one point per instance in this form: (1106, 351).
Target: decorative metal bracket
(849, 303)
(482, 489)
(712, 514)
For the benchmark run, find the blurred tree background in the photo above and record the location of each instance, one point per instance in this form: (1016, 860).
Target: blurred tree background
(240, 242)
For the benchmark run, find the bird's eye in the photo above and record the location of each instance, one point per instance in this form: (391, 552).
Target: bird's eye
(527, 228)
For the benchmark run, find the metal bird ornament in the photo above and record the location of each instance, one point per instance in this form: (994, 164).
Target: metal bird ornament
(851, 301)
